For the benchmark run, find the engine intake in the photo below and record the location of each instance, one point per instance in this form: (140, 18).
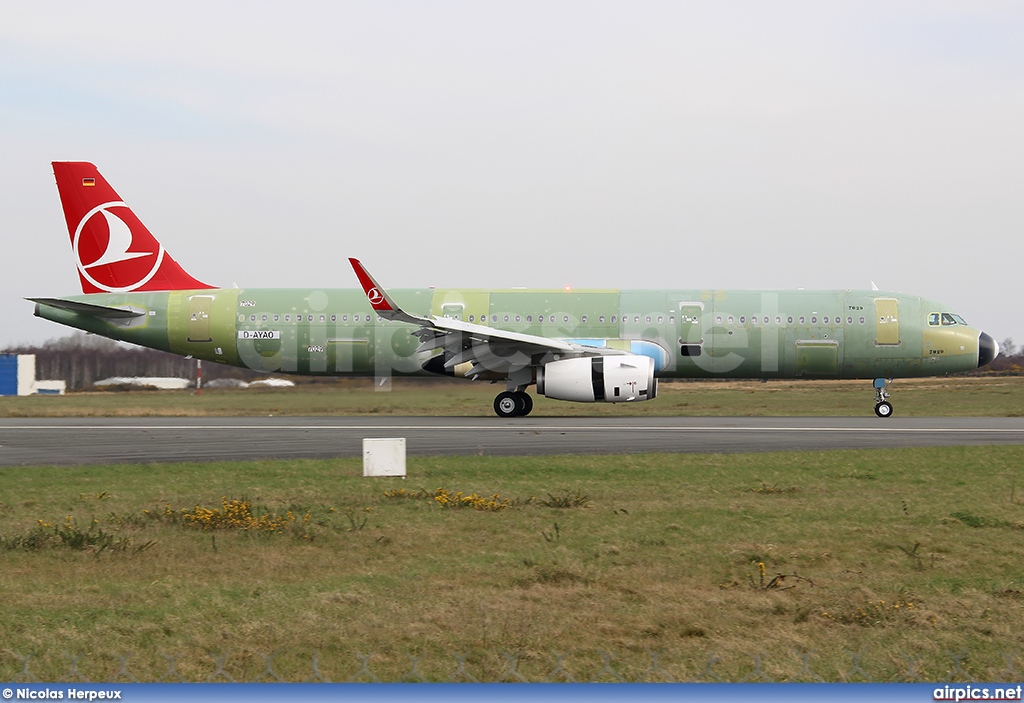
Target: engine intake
(599, 379)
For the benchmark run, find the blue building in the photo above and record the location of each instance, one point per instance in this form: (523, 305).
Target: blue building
(18, 377)
(8, 374)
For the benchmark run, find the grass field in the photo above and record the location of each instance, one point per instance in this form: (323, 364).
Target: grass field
(955, 396)
(905, 564)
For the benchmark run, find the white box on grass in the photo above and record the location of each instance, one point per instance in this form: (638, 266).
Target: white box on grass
(384, 457)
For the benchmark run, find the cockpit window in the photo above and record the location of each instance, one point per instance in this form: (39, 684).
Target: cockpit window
(946, 319)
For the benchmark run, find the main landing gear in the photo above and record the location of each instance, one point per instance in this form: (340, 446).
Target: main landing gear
(513, 404)
(883, 408)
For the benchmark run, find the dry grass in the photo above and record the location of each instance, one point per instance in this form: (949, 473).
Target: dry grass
(894, 563)
(953, 396)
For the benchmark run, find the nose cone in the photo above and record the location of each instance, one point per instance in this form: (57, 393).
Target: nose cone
(987, 349)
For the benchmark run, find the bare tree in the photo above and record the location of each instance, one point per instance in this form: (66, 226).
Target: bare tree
(82, 359)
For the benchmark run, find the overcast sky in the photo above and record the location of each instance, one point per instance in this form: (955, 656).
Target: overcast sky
(494, 144)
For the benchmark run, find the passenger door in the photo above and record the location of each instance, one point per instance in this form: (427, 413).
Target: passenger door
(199, 318)
(887, 322)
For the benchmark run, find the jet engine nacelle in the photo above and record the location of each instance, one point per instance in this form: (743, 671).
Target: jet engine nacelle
(607, 379)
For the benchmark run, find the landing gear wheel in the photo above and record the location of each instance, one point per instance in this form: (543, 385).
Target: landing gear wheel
(883, 408)
(527, 403)
(507, 404)
(513, 404)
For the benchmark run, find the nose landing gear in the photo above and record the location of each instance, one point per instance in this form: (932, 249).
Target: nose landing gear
(883, 408)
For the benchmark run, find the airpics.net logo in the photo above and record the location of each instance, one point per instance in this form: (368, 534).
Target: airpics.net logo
(977, 693)
(103, 246)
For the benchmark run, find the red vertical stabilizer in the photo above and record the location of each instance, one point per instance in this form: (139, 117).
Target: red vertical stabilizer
(114, 251)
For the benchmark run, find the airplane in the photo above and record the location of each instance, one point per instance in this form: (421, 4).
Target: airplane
(575, 345)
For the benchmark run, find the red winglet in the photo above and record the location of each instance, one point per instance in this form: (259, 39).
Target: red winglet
(378, 297)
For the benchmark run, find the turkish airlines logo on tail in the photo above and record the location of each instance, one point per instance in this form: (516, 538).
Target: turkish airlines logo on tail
(375, 296)
(113, 250)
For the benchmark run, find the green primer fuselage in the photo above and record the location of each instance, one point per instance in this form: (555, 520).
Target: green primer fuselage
(704, 333)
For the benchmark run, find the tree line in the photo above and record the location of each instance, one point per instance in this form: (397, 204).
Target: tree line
(82, 359)
(1010, 361)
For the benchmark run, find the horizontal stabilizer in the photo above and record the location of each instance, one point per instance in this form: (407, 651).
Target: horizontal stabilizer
(101, 311)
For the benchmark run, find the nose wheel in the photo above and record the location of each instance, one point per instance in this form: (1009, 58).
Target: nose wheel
(513, 404)
(883, 408)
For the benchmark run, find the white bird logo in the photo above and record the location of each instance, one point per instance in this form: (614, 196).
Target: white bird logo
(119, 240)
(117, 243)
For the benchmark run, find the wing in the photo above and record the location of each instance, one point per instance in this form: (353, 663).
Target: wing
(488, 349)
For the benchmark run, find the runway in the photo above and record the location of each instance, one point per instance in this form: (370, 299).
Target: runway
(67, 441)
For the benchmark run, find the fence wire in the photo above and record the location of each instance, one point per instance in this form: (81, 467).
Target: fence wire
(554, 667)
